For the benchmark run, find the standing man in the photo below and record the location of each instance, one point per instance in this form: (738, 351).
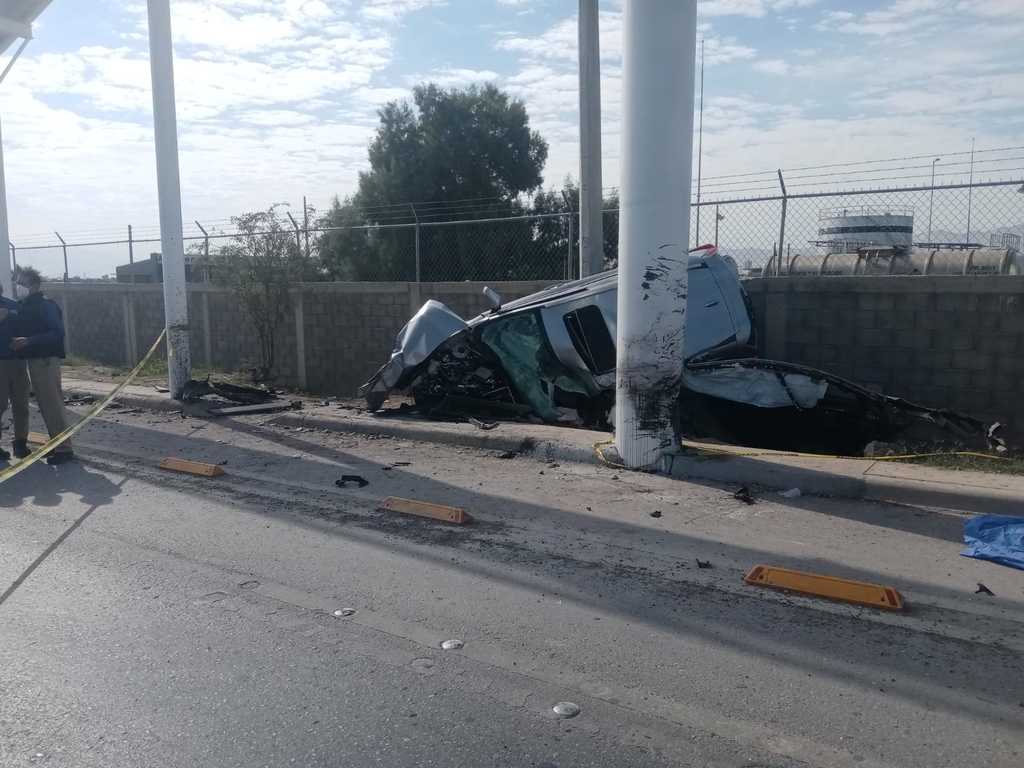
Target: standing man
(13, 380)
(40, 342)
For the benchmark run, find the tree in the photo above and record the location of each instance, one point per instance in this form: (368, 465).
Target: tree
(259, 265)
(452, 146)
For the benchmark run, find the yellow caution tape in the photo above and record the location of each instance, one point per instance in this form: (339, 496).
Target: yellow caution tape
(704, 448)
(53, 442)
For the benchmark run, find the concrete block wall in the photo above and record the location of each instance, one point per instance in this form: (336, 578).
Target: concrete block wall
(944, 341)
(333, 338)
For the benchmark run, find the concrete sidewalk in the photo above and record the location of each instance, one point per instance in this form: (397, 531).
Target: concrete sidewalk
(961, 491)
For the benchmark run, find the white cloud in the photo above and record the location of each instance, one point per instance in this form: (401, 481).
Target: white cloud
(772, 66)
(454, 77)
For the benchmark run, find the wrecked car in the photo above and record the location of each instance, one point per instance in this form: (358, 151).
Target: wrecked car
(551, 355)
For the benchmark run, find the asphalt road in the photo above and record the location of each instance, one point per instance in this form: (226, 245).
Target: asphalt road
(162, 620)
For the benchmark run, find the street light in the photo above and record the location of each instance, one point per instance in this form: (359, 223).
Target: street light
(931, 200)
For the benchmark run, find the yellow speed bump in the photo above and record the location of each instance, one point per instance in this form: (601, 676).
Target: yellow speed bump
(441, 512)
(829, 587)
(191, 467)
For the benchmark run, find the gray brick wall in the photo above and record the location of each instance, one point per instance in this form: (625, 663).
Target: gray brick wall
(955, 342)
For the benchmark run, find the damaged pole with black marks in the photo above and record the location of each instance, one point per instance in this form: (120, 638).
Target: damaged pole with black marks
(659, 48)
(165, 132)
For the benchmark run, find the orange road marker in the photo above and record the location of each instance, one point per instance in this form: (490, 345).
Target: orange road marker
(829, 587)
(440, 512)
(191, 467)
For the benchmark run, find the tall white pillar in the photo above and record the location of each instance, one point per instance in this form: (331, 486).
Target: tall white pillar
(659, 46)
(165, 132)
(591, 200)
(5, 234)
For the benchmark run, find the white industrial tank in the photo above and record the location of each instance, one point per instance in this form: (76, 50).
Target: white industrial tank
(843, 230)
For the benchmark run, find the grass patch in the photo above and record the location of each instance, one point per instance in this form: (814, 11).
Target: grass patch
(1013, 465)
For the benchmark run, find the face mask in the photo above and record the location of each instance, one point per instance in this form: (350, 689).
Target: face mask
(20, 292)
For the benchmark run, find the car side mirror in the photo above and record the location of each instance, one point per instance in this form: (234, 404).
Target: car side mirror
(493, 297)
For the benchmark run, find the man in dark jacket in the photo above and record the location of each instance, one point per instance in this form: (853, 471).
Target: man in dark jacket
(40, 342)
(13, 380)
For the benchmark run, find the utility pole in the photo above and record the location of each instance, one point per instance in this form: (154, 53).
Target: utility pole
(700, 150)
(298, 237)
(659, 48)
(206, 258)
(165, 133)
(5, 235)
(64, 247)
(591, 200)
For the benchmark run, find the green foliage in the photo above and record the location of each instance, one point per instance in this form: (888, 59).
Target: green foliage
(447, 146)
(259, 265)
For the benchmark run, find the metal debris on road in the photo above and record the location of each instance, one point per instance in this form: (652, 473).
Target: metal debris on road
(743, 494)
(655, 513)
(452, 645)
(566, 709)
(792, 493)
(703, 563)
(983, 590)
(487, 426)
(341, 612)
(248, 410)
(345, 480)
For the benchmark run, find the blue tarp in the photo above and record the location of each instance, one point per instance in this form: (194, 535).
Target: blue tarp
(996, 538)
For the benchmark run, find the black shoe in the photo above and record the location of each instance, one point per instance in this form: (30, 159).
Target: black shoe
(60, 457)
(4, 455)
(20, 448)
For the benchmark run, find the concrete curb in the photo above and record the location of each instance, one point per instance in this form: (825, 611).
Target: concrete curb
(825, 477)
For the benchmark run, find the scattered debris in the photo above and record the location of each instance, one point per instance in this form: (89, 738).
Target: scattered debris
(743, 494)
(194, 391)
(506, 455)
(78, 398)
(342, 612)
(566, 709)
(248, 410)
(487, 426)
(441, 512)
(191, 467)
(401, 463)
(161, 389)
(452, 645)
(703, 563)
(829, 587)
(983, 590)
(655, 513)
(996, 538)
(345, 480)
(792, 493)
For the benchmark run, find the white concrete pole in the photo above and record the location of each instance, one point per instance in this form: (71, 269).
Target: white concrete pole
(5, 234)
(659, 45)
(591, 201)
(165, 132)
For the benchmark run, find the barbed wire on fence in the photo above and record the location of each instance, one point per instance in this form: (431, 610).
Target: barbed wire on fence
(429, 245)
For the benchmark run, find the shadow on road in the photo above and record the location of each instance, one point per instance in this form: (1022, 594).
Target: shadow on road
(913, 663)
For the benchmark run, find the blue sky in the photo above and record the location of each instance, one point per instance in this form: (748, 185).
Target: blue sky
(277, 98)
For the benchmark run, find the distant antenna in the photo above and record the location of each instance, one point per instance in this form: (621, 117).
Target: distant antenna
(700, 144)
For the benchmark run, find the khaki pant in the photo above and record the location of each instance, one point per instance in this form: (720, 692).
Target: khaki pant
(14, 387)
(45, 375)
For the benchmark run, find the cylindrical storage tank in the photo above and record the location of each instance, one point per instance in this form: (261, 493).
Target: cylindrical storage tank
(847, 229)
(803, 265)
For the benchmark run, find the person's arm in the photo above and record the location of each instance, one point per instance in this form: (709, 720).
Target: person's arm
(54, 332)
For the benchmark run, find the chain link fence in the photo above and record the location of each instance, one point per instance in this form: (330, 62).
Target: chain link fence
(546, 246)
